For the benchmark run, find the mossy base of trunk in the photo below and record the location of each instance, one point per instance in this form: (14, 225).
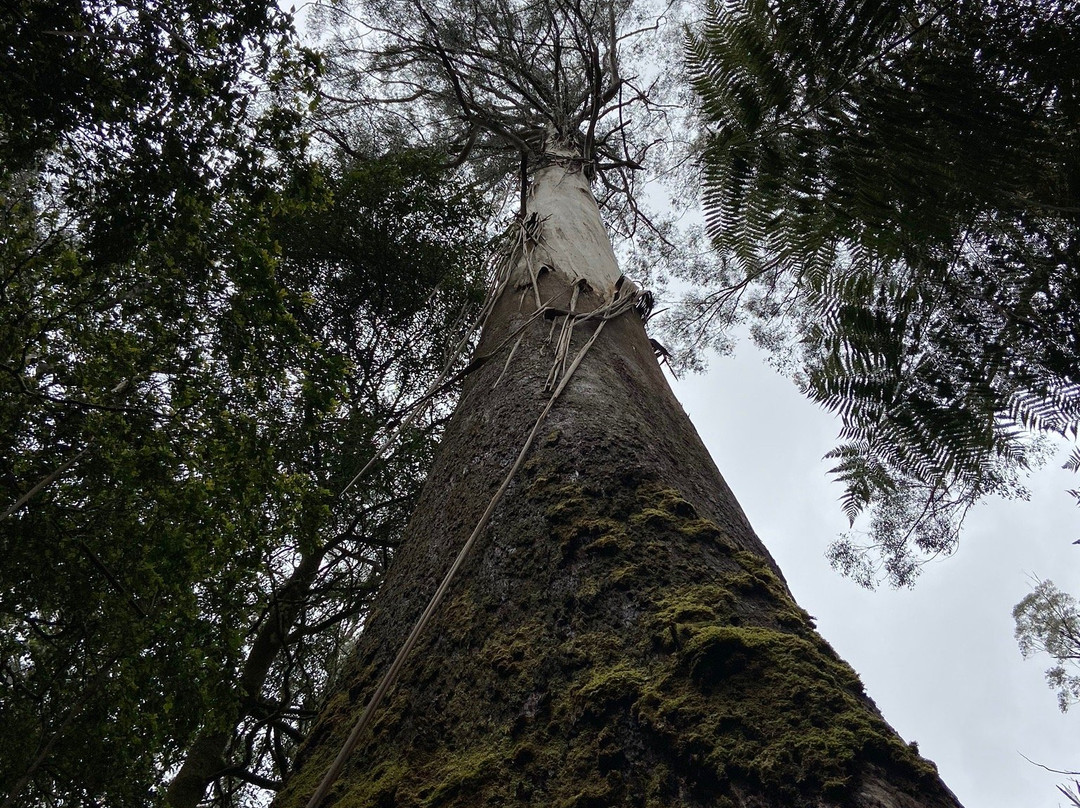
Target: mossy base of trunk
(671, 669)
(620, 636)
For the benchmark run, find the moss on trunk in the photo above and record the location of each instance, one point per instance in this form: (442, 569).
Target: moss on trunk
(620, 636)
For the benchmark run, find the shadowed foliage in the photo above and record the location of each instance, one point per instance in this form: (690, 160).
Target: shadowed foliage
(203, 335)
(892, 187)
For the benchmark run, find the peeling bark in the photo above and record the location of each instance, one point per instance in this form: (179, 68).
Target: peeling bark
(574, 243)
(620, 635)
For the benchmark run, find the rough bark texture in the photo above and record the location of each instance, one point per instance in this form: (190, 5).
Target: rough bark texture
(620, 635)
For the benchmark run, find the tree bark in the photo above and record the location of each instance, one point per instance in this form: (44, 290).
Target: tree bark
(205, 758)
(620, 636)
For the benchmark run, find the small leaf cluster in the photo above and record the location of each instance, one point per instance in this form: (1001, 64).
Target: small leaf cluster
(1048, 621)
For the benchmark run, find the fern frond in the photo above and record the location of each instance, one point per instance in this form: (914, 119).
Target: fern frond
(898, 180)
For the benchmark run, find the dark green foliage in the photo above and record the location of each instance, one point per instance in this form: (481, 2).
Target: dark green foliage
(200, 345)
(218, 423)
(893, 189)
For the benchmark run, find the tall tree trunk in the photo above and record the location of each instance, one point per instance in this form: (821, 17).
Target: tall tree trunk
(619, 635)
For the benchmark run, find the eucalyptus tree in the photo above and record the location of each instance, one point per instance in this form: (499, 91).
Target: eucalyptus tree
(201, 335)
(893, 190)
(580, 613)
(1048, 621)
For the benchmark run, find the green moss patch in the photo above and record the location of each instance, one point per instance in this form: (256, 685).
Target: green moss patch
(606, 688)
(667, 500)
(767, 707)
(656, 665)
(511, 653)
(693, 604)
(461, 775)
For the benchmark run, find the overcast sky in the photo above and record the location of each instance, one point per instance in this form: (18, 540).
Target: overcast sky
(940, 660)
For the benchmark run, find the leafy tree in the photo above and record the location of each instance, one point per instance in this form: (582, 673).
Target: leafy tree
(376, 282)
(1048, 621)
(206, 486)
(199, 350)
(892, 188)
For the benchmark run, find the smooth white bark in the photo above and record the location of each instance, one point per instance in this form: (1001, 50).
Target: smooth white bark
(574, 243)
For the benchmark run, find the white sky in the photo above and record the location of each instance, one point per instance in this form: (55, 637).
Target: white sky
(940, 660)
